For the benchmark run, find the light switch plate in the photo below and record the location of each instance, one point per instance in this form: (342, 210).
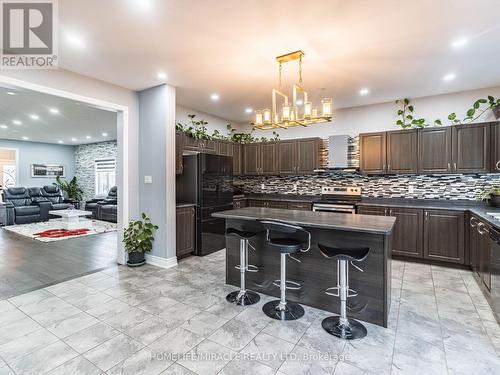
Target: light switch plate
(148, 179)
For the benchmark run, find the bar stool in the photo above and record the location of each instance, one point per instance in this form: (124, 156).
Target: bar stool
(287, 239)
(341, 326)
(243, 297)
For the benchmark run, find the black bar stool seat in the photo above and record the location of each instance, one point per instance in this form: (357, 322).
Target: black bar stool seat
(240, 233)
(342, 326)
(285, 245)
(243, 296)
(357, 254)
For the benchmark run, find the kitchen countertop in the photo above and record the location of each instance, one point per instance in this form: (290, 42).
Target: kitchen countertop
(326, 220)
(476, 207)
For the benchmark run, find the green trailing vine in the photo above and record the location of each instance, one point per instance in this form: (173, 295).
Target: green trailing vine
(407, 120)
(198, 129)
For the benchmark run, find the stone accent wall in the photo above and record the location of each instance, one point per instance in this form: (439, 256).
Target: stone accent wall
(85, 156)
(451, 187)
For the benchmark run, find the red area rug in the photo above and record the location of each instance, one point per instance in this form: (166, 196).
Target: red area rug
(61, 233)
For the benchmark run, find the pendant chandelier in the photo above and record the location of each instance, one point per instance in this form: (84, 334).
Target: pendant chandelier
(291, 113)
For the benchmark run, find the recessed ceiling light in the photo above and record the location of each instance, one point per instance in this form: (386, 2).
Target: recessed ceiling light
(60, 142)
(215, 97)
(364, 91)
(75, 40)
(88, 137)
(17, 122)
(142, 5)
(3, 126)
(25, 138)
(11, 93)
(299, 102)
(162, 75)
(73, 139)
(248, 110)
(449, 77)
(55, 111)
(459, 43)
(104, 134)
(34, 117)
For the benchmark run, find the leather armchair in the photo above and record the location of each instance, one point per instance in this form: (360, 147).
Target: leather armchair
(22, 209)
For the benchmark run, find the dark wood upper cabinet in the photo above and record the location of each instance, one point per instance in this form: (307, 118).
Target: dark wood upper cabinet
(224, 148)
(200, 145)
(286, 157)
(407, 239)
(372, 153)
(251, 159)
(444, 235)
(402, 151)
(268, 156)
(434, 150)
(495, 147)
(307, 151)
(179, 146)
(185, 231)
(237, 170)
(471, 148)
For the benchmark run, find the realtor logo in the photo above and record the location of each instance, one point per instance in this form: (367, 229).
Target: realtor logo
(29, 34)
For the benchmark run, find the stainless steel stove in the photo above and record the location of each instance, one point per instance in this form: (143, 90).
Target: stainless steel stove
(341, 199)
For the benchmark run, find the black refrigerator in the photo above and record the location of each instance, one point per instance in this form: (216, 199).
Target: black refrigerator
(207, 181)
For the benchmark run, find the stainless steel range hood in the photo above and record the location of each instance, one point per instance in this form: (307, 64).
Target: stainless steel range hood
(341, 154)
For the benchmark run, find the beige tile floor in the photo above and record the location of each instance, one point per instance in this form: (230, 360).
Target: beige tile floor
(155, 321)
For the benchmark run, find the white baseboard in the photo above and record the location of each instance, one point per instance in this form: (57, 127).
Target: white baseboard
(161, 262)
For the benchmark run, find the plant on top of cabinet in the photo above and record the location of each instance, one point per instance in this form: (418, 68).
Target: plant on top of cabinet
(195, 129)
(476, 111)
(407, 119)
(490, 194)
(246, 138)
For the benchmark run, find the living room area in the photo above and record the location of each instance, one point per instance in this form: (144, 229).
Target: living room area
(59, 195)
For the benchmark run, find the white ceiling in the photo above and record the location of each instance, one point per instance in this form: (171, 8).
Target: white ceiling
(75, 120)
(395, 48)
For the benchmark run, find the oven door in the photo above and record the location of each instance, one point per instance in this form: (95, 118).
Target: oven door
(337, 208)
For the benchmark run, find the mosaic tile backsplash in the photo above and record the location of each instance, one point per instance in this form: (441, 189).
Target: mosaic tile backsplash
(451, 187)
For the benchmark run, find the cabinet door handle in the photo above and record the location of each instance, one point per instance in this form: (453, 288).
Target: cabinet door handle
(480, 227)
(473, 222)
(497, 166)
(390, 212)
(426, 215)
(455, 166)
(449, 166)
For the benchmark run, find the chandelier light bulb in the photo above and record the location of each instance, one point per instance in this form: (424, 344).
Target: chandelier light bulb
(258, 118)
(326, 105)
(267, 116)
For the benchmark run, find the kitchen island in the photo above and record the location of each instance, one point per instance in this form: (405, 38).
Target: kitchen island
(315, 272)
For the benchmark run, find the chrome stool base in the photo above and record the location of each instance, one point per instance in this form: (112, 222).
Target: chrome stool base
(292, 310)
(246, 299)
(354, 331)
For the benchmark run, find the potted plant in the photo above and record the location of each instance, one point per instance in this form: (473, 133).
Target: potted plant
(71, 189)
(491, 194)
(138, 239)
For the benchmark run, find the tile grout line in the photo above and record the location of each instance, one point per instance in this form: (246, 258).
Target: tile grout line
(397, 319)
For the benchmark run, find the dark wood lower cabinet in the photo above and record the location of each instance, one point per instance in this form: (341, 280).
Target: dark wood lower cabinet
(480, 249)
(444, 236)
(185, 231)
(407, 233)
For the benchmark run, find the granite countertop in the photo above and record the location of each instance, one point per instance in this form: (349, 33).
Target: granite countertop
(183, 204)
(326, 220)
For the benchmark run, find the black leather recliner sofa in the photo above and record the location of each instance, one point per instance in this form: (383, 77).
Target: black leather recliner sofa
(54, 195)
(104, 209)
(22, 208)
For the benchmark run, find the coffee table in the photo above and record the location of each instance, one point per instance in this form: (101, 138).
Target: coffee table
(73, 219)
